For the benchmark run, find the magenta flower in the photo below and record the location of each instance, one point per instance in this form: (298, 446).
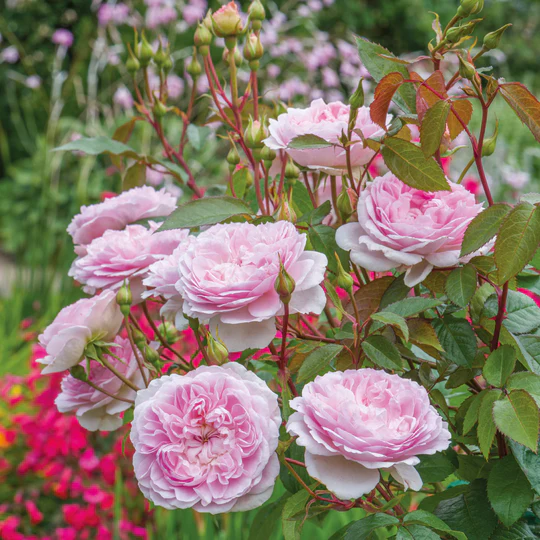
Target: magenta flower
(118, 256)
(62, 37)
(88, 319)
(115, 213)
(327, 121)
(227, 276)
(94, 409)
(402, 227)
(207, 440)
(356, 422)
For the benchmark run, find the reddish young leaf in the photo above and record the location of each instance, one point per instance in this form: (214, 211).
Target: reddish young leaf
(524, 104)
(464, 109)
(384, 92)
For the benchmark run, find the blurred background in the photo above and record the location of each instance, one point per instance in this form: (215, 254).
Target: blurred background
(63, 76)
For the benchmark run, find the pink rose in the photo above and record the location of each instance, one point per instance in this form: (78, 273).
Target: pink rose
(356, 422)
(63, 38)
(227, 275)
(226, 21)
(88, 319)
(94, 409)
(402, 227)
(327, 121)
(124, 255)
(115, 213)
(207, 440)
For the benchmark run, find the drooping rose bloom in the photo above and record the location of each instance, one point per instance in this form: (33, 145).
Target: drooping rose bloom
(124, 255)
(402, 227)
(207, 440)
(327, 121)
(356, 422)
(115, 213)
(88, 319)
(161, 280)
(94, 409)
(227, 275)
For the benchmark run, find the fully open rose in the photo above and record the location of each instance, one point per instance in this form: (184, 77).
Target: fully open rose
(327, 121)
(356, 422)
(207, 440)
(402, 227)
(227, 276)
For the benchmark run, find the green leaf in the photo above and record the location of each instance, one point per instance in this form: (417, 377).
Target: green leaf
(291, 529)
(461, 285)
(98, 145)
(323, 240)
(486, 425)
(517, 240)
(196, 135)
(360, 530)
(524, 104)
(434, 468)
(308, 142)
(529, 462)
(531, 283)
(523, 315)
(499, 365)
(525, 380)
(484, 227)
(173, 168)
(384, 92)
(520, 531)
(457, 339)
(408, 307)
(471, 416)
(428, 519)
(408, 163)
(301, 200)
(433, 127)
(135, 176)
(472, 467)
(206, 211)
(478, 300)
(517, 417)
(378, 66)
(422, 333)
(416, 532)
(392, 319)
(333, 295)
(382, 352)
(369, 296)
(240, 181)
(509, 491)
(317, 362)
(469, 512)
(266, 519)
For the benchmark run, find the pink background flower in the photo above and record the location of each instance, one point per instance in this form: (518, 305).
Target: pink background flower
(75, 326)
(402, 227)
(116, 212)
(327, 121)
(207, 440)
(355, 422)
(96, 410)
(227, 275)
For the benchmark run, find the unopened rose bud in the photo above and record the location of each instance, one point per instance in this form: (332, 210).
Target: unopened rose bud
(152, 356)
(458, 32)
(253, 49)
(146, 54)
(357, 99)
(490, 144)
(466, 69)
(159, 109)
(268, 155)
(237, 56)
(344, 279)
(255, 134)
(207, 21)
(194, 68)
(256, 11)
(202, 37)
(138, 338)
(226, 21)
(470, 7)
(233, 157)
(124, 299)
(160, 57)
(285, 211)
(284, 284)
(132, 64)
(167, 64)
(169, 332)
(216, 350)
(492, 40)
(79, 373)
(292, 172)
(347, 202)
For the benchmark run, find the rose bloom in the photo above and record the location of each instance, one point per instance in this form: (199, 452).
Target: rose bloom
(94, 409)
(115, 213)
(206, 440)
(62, 37)
(356, 422)
(402, 227)
(118, 256)
(88, 319)
(327, 121)
(227, 275)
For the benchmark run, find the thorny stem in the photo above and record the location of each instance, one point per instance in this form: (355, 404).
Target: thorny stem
(500, 317)
(135, 351)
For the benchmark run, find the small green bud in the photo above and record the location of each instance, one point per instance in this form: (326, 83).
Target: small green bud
(124, 299)
(457, 32)
(357, 99)
(285, 211)
(256, 11)
(292, 172)
(237, 56)
(490, 144)
(138, 338)
(470, 7)
(202, 37)
(167, 65)
(146, 54)
(233, 157)
(169, 332)
(344, 279)
(132, 64)
(492, 40)
(193, 323)
(216, 350)
(284, 284)
(79, 373)
(347, 202)
(152, 356)
(466, 69)
(226, 21)
(194, 68)
(159, 109)
(268, 155)
(255, 134)
(253, 49)
(160, 57)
